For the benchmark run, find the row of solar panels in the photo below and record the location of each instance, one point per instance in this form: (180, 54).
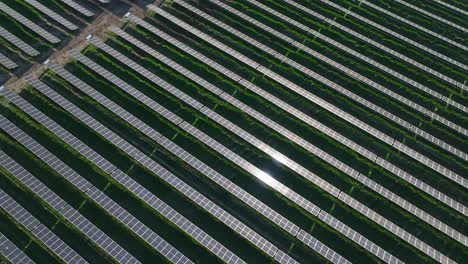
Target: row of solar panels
(97, 196)
(28, 23)
(263, 146)
(138, 95)
(17, 16)
(317, 55)
(280, 255)
(55, 201)
(288, 134)
(32, 26)
(351, 74)
(342, 90)
(11, 252)
(381, 162)
(147, 162)
(298, 114)
(396, 35)
(429, 14)
(160, 109)
(449, 6)
(44, 234)
(43, 89)
(397, 146)
(342, 114)
(408, 22)
(141, 192)
(135, 122)
(407, 125)
(242, 162)
(316, 243)
(356, 54)
(36, 83)
(158, 170)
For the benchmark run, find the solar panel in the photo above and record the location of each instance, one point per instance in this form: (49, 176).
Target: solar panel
(283, 258)
(258, 173)
(406, 21)
(253, 238)
(87, 188)
(117, 81)
(64, 22)
(318, 77)
(243, 134)
(78, 7)
(228, 185)
(124, 87)
(206, 139)
(396, 230)
(382, 47)
(83, 224)
(137, 227)
(11, 252)
(18, 42)
(128, 182)
(429, 14)
(451, 7)
(323, 250)
(7, 63)
(308, 95)
(355, 54)
(29, 24)
(275, 154)
(47, 237)
(265, 178)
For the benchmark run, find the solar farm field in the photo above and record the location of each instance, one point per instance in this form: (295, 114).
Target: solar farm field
(32, 30)
(250, 131)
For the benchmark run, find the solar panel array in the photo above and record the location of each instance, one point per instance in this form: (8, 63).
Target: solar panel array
(78, 8)
(358, 77)
(272, 250)
(161, 207)
(287, 134)
(29, 24)
(323, 58)
(288, 108)
(95, 194)
(56, 202)
(408, 22)
(429, 14)
(68, 212)
(451, 6)
(386, 49)
(397, 145)
(18, 42)
(162, 246)
(11, 252)
(283, 189)
(331, 62)
(307, 95)
(139, 228)
(28, 221)
(6, 62)
(36, 28)
(52, 14)
(289, 172)
(244, 164)
(356, 54)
